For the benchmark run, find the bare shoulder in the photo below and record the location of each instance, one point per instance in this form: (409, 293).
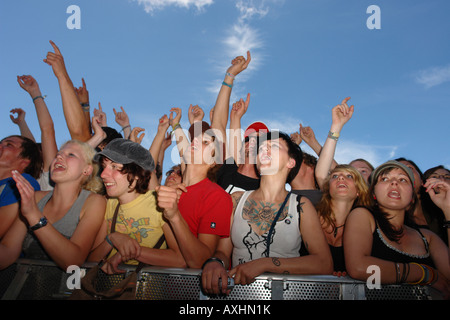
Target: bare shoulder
(236, 197)
(94, 203)
(360, 216)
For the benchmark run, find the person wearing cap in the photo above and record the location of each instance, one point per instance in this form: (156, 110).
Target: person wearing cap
(126, 173)
(379, 235)
(266, 232)
(58, 225)
(239, 172)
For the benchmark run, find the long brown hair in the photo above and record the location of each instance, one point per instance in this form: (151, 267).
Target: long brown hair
(324, 206)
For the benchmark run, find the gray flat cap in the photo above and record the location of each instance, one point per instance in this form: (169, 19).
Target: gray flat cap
(125, 151)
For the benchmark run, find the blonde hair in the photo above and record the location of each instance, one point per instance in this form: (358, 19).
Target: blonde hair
(363, 198)
(93, 182)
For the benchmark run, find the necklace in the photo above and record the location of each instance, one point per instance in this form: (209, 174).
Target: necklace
(336, 230)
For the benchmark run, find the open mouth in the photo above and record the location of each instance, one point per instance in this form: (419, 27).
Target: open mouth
(58, 167)
(394, 194)
(109, 184)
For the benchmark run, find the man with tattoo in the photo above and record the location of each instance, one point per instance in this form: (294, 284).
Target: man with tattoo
(269, 224)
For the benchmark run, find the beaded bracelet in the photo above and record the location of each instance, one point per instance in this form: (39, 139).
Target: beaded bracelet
(230, 75)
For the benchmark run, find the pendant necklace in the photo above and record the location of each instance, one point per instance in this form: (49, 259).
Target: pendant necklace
(336, 230)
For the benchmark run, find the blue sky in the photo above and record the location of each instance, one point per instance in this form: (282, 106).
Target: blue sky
(307, 55)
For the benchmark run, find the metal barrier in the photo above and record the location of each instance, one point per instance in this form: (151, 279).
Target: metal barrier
(43, 280)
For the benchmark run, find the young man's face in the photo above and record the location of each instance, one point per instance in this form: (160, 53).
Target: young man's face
(116, 183)
(10, 150)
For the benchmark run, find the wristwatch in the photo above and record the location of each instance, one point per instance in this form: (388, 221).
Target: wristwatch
(42, 223)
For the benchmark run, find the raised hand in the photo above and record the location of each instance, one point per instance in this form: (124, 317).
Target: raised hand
(101, 116)
(340, 115)
(121, 117)
(195, 113)
(173, 121)
(439, 191)
(239, 64)
(82, 92)
(164, 123)
(56, 61)
(20, 116)
(240, 107)
(134, 136)
(30, 85)
(307, 134)
(296, 137)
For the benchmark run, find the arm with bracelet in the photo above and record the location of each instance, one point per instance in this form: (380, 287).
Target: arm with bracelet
(180, 138)
(340, 115)
(222, 106)
(46, 125)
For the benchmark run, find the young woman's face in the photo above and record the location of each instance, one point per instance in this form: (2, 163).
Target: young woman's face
(440, 173)
(394, 190)
(69, 163)
(273, 156)
(343, 186)
(116, 183)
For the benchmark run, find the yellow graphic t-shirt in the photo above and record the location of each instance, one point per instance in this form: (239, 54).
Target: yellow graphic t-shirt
(140, 219)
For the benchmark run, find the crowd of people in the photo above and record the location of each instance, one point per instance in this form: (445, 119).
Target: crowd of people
(234, 206)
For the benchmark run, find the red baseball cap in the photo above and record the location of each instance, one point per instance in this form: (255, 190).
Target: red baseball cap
(255, 127)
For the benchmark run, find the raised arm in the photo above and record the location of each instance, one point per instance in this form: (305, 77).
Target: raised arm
(75, 118)
(180, 138)
(439, 191)
(155, 148)
(340, 115)
(48, 139)
(123, 121)
(221, 108)
(235, 139)
(83, 98)
(99, 134)
(21, 123)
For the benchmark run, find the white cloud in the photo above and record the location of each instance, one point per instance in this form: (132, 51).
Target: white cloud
(433, 76)
(152, 5)
(347, 151)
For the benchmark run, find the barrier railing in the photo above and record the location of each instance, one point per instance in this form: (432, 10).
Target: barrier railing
(43, 280)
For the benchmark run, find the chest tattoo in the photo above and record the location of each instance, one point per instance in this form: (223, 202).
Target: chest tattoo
(260, 214)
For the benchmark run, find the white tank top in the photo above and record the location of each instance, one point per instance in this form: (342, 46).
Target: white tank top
(248, 245)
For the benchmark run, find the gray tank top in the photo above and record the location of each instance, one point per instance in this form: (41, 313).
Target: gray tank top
(66, 226)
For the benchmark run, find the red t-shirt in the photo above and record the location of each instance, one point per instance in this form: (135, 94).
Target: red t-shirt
(206, 208)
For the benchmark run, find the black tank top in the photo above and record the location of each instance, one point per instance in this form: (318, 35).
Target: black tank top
(383, 250)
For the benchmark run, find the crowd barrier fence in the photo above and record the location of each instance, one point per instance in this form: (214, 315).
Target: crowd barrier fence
(43, 280)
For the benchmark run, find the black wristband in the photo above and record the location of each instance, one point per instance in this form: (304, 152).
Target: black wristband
(211, 260)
